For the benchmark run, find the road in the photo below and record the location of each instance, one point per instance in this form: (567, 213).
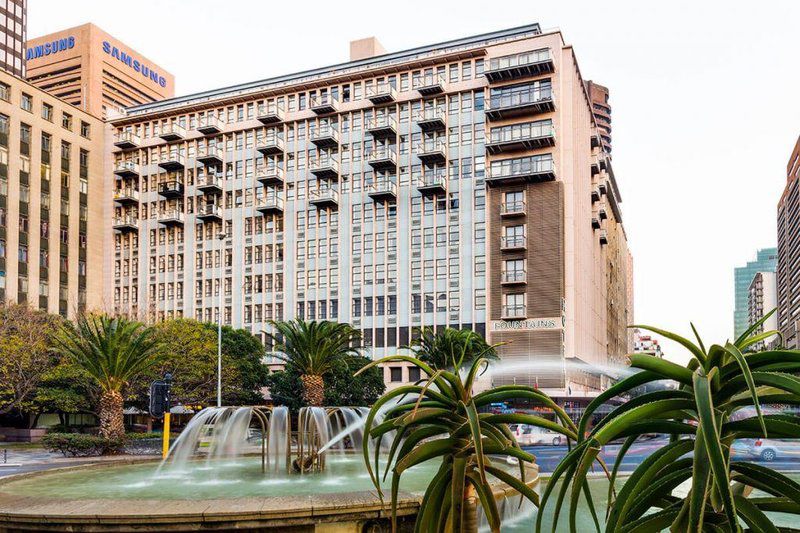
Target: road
(547, 457)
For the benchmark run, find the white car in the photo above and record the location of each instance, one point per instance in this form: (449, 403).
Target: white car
(531, 435)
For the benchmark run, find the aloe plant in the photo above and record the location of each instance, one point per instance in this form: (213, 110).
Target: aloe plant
(440, 419)
(717, 382)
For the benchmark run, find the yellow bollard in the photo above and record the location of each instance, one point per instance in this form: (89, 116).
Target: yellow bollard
(165, 438)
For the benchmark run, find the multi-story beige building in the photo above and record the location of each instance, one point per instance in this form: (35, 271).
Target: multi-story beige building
(762, 297)
(51, 200)
(92, 70)
(459, 184)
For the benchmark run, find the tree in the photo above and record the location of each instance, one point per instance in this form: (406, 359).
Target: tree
(26, 354)
(342, 387)
(66, 389)
(313, 349)
(451, 347)
(246, 354)
(113, 351)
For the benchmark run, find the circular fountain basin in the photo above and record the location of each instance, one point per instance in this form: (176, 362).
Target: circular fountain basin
(223, 496)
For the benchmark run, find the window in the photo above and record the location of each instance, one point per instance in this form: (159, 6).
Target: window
(513, 236)
(395, 374)
(514, 305)
(66, 121)
(47, 112)
(86, 130)
(514, 202)
(413, 374)
(26, 102)
(514, 271)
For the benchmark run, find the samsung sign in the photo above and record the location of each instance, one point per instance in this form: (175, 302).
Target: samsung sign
(48, 48)
(134, 64)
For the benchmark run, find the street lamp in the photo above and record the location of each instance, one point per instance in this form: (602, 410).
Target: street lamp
(221, 237)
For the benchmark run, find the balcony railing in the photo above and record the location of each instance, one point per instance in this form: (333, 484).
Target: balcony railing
(431, 119)
(209, 212)
(270, 204)
(383, 190)
(432, 183)
(382, 157)
(172, 132)
(127, 140)
(513, 242)
(381, 93)
(325, 136)
(513, 277)
(170, 217)
(514, 311)
(531, 169)
(518, 66)
(526, 100)
(521, 137)
(209, 182)
(324, 197)
(324, 167)
(210, 125)
(126, 169)
(603, 237)
(210, 155)
(325, 103)
(271, 144)
(512, 209)
(382, 126)
(431, 151)
(127, 195)
(170, 189)
(431, 84)
(126, 223)
(270, 113)
(172, 160)
(270, 175)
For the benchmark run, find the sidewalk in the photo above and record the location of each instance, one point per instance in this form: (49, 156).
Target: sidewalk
(35, 459)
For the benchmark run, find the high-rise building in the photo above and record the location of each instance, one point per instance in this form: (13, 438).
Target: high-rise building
(598, 95)
(762, 297)
(13, 34)
(92, 70)
(766, 261)
(446, 185)
(789, 252)
(51, 200)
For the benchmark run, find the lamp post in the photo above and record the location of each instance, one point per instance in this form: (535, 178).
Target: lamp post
(221, 237)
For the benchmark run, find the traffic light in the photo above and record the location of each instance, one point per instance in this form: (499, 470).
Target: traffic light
(159, 396)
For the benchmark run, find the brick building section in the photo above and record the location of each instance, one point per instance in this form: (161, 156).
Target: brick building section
(598, 94)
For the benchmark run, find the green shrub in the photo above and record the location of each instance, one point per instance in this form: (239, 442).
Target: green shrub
(75, 444)
(149, 435)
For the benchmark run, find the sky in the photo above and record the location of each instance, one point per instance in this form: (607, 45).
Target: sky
(705, 98)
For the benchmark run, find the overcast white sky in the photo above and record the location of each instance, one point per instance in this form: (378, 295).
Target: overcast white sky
(705, 96)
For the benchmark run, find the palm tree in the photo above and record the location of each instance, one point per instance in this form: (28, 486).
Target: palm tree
(113, 351)
(312, 349)
(451, 347)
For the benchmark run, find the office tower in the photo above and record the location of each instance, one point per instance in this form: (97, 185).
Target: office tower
(766, 261)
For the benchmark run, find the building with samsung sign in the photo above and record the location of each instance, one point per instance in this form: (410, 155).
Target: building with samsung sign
(91, 70)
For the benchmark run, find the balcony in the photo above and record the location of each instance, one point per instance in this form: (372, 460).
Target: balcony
(170, 189)
(513, 312)
(323, 198)
(512, 209)
(172, 132)
(270, 176)
(127, 140)
(209, 182)
(431, 85)
(525, 101)
(270, 113)
(271, 145)
(382, 126)
(382, 93)
(527, 169)
(323, 104)
(513, 242)
(601, 212)
(170, 217)
(519, 66)
(210, 125)
(325, 137)
(520, 137)
(209, 155)
(514, 277)
(172, 161)
(432, 183)
(431, 119)
(595, 221)
(324, 167)
(431, 152)
(209, 213)
(125, 224)
(383, 190)
(126, 196)
(271, 204)
(603, 237)
(126, 169)
(603, 188)
(595, 194)
(382, 158)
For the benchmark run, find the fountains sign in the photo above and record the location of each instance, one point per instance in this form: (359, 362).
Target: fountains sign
(531, 324)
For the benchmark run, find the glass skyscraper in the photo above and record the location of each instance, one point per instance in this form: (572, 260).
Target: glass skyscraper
(766, 261)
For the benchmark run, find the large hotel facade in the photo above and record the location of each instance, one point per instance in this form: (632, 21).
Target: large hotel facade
(461, 184)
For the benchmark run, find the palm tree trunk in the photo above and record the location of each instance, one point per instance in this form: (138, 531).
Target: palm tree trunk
(112, 425)
(469, 520)
(313, 389)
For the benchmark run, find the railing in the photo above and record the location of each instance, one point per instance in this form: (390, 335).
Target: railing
(430, 80)
(382, 122)
(171, 214)
(512, 208)
(519, 96)
(326, 130)
(512, 242)
(209, 151)
(209, 210)
(173, 130)
(127, 220)
(521, 132)
(271, 109)
(269, 172)
(430, 113)
(171, 157)
(170, 187)
(270, 201)
(126, 194)
(209, 179)
(513, 276)
(432, 178)
(325, 195)
(522, 166)
(210, 122)
(430, 146)
(384, 186)
(128, 137)
(317, 163)
(382, 153)
(519, 60)
(126, 166)
(514, 311)
(324, 100)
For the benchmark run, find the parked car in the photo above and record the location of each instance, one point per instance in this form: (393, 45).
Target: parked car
(771, 449)
(531, 435)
